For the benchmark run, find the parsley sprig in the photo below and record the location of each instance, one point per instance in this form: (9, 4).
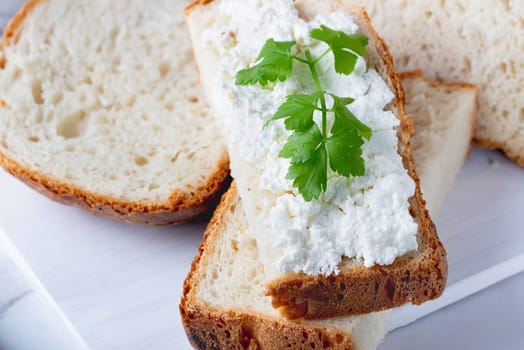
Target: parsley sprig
(312, 148)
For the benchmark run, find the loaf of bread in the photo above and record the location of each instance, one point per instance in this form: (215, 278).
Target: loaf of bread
(224, 305)
(100, 107)
(480, 42)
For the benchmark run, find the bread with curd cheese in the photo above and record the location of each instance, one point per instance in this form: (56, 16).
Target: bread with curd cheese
(415, 277)
(100, 108)
(460, 40)
(224, 304)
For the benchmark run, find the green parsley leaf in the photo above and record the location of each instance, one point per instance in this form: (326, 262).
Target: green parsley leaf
(310, 150)
(345, 153)
(298, 109)
(310, 176)
(344, 119)
(275, 63)
(345, 47)
(344, 100)
(301, 145)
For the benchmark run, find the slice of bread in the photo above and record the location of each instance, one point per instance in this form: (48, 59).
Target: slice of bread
(416, 277)
(100, 108)
(224, 305)
(444, 115)
(460, 40)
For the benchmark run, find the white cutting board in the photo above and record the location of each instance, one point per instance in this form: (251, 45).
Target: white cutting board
(120, 284)
(482, 227)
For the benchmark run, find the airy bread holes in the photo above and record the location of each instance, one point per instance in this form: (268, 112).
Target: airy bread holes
(37, 92)
(131, 102)
(175, 157)
(56, 98)
(141, 161)
(163, 69)
(73, 126)
(16, 75)
(116, 63)
(467, 65)
(114, 34)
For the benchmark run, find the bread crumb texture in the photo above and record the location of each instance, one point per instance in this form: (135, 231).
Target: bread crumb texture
(480, 42)
(103, 96)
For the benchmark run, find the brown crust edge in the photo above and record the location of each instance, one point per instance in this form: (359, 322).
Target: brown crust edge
(503, 146)
(364, 290)
(178, 208)
(420, 74)
(11, 29)
(212, 328)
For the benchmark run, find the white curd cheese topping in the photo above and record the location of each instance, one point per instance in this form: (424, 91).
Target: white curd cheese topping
(366, 217)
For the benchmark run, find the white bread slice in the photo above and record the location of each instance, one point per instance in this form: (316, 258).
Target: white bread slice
(461, 40)
(415, 277)
(444, 115)
(224, 305)
(100, 107)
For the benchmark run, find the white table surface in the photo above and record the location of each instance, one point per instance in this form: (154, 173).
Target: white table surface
(120, 285)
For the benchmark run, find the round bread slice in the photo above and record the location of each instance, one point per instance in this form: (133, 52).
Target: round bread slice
(460, 40)
(100, 108)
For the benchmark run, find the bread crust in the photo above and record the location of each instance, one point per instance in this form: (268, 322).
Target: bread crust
(210, 328)
(12, 28)
(493, 144)
(449, 85)
(180, 206)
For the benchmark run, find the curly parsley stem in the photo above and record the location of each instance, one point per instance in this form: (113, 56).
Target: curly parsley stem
(300, 59)
(312, 67)
(316, 60)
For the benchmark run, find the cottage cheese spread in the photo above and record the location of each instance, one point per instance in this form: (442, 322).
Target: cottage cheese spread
(366, 217)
